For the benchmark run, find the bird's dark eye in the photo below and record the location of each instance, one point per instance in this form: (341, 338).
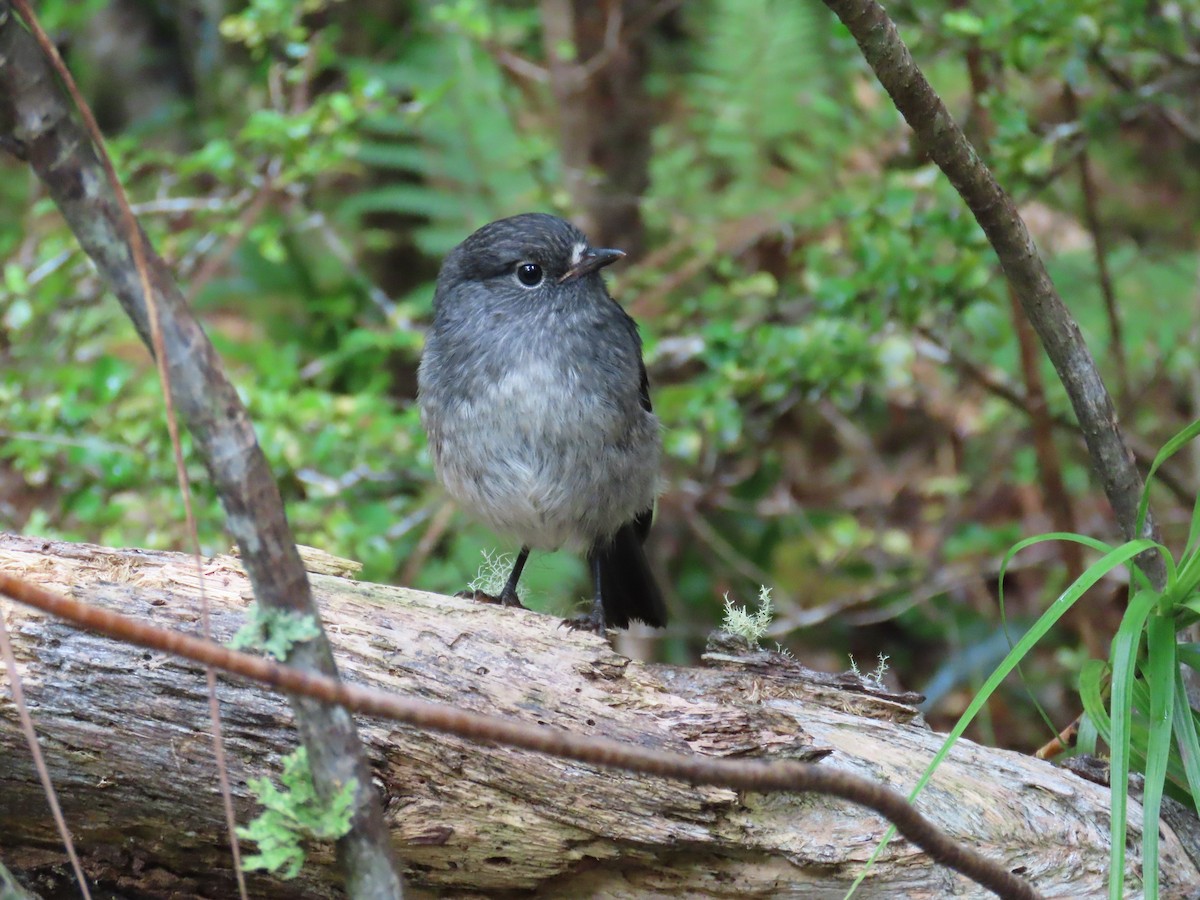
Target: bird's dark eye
(529, 274)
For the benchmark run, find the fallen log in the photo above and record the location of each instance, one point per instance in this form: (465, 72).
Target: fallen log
(125, 732)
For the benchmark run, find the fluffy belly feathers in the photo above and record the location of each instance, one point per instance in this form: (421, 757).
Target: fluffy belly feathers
(576, 470)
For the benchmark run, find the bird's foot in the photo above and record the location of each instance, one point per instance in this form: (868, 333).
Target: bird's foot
(506, 598)
(592, 621)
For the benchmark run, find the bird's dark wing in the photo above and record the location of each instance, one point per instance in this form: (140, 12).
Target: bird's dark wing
(627, 585)
(644, 381)
(641, 523)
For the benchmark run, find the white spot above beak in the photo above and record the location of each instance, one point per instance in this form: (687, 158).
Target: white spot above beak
(577, 252)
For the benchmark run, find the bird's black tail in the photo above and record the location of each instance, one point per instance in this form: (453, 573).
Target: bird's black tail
(627, 586)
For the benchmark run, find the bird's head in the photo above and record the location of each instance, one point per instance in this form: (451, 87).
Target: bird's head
(531, 257)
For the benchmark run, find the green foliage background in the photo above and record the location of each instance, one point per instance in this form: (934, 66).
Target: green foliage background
(825, 324)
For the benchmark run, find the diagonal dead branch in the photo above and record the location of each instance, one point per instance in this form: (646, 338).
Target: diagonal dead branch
(997, 215)
(138, 248)
(32, 107)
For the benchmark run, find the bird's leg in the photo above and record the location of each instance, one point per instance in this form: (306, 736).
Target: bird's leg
(592, 621)
(508, 594)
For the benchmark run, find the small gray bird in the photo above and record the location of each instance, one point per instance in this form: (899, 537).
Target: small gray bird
(534, 396)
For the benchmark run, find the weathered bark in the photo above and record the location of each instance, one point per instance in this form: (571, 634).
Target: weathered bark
(124, 734)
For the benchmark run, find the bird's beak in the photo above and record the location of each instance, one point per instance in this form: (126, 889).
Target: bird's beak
(592, 260)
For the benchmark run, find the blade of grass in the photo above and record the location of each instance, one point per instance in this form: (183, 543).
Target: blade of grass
(1169, 449)
(1125, 649)
(1091, 693)
(1095, 544)
(1111, 560)
(1189, 655)
(1086, 739)
(1185, 736)
(1176, 777)
(1092, 696)
(1096, 724)
(1192, 549)
(1188, 576)
(1193, 542)
(1160, 672)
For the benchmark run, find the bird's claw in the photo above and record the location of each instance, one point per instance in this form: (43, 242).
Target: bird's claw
(506, 598)
(586, 622)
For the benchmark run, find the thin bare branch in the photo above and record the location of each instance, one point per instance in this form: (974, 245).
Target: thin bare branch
(39, 761)
(616, 35)
(614, 16)
(740, 775)
(1056, 498)
(1165, 114)
(1091, 216)
(215, 262)
(995, 383)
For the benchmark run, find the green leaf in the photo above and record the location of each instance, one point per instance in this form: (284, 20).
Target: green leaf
(1169, 449)
(1186, 738)
(1092, 678)
(293, 814)
(1124, 656)
(963, 23)
(1160, 678)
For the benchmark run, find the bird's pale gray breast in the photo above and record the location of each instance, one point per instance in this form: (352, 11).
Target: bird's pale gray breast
(537, 445)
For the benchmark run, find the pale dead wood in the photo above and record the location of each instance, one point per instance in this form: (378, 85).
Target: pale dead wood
(124, 734)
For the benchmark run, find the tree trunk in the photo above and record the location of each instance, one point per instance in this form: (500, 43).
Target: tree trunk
(605, 116)
(125, 732)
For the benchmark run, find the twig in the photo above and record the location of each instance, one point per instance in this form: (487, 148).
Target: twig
(1056, 499)
(612, 41)
(429, 540)
(1057, 502)
(174, 206)
(39, 761)
(55, 440)
(615, 36)
(994, 384)
(733, 558)
(1062, 741)
(333, 241)
(1169, 117)
(517, 64)
(215, 262)
(737, 775)
(1091, 217)
(915, 591)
